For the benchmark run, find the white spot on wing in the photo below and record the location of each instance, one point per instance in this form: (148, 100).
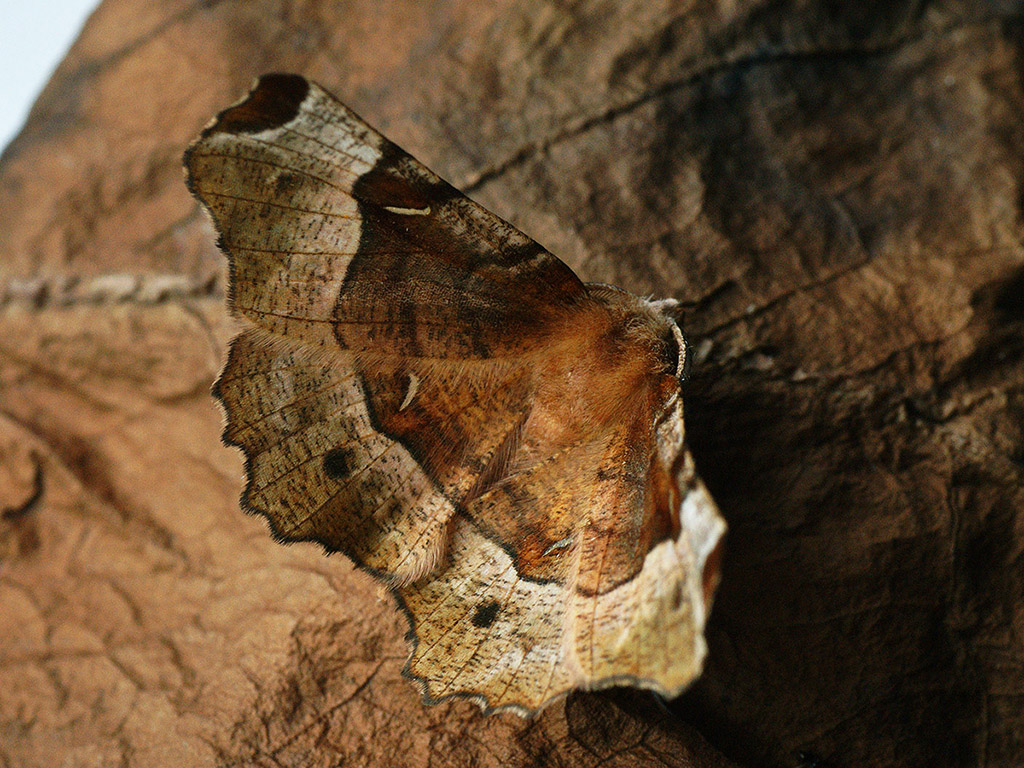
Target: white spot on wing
(414, 384)
(561, 544)
(699, 518)
(408, 211)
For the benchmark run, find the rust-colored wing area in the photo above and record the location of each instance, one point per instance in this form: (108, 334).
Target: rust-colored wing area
(592, 559)
(422, 387)
(366, 281)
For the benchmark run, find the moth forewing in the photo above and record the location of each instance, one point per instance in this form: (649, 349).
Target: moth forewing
(424, 388)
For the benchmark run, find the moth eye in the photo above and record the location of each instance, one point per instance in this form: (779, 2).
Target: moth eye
(669, 354)
(684, 374)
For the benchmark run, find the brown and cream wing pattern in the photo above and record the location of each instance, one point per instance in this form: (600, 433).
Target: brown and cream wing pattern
(419, 385)
(364, 281)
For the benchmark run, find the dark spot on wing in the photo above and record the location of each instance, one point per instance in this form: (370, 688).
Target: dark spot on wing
(273, 102)
(386, 185)
(286, 183)
(337, 464)
(669, 353)
(485, 614)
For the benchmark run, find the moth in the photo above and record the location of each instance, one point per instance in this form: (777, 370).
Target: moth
(420, 386)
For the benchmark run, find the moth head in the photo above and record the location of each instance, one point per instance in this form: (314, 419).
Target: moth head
(674, 352)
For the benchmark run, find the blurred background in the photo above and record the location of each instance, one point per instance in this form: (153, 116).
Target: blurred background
(834, 191)
(33, 40)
